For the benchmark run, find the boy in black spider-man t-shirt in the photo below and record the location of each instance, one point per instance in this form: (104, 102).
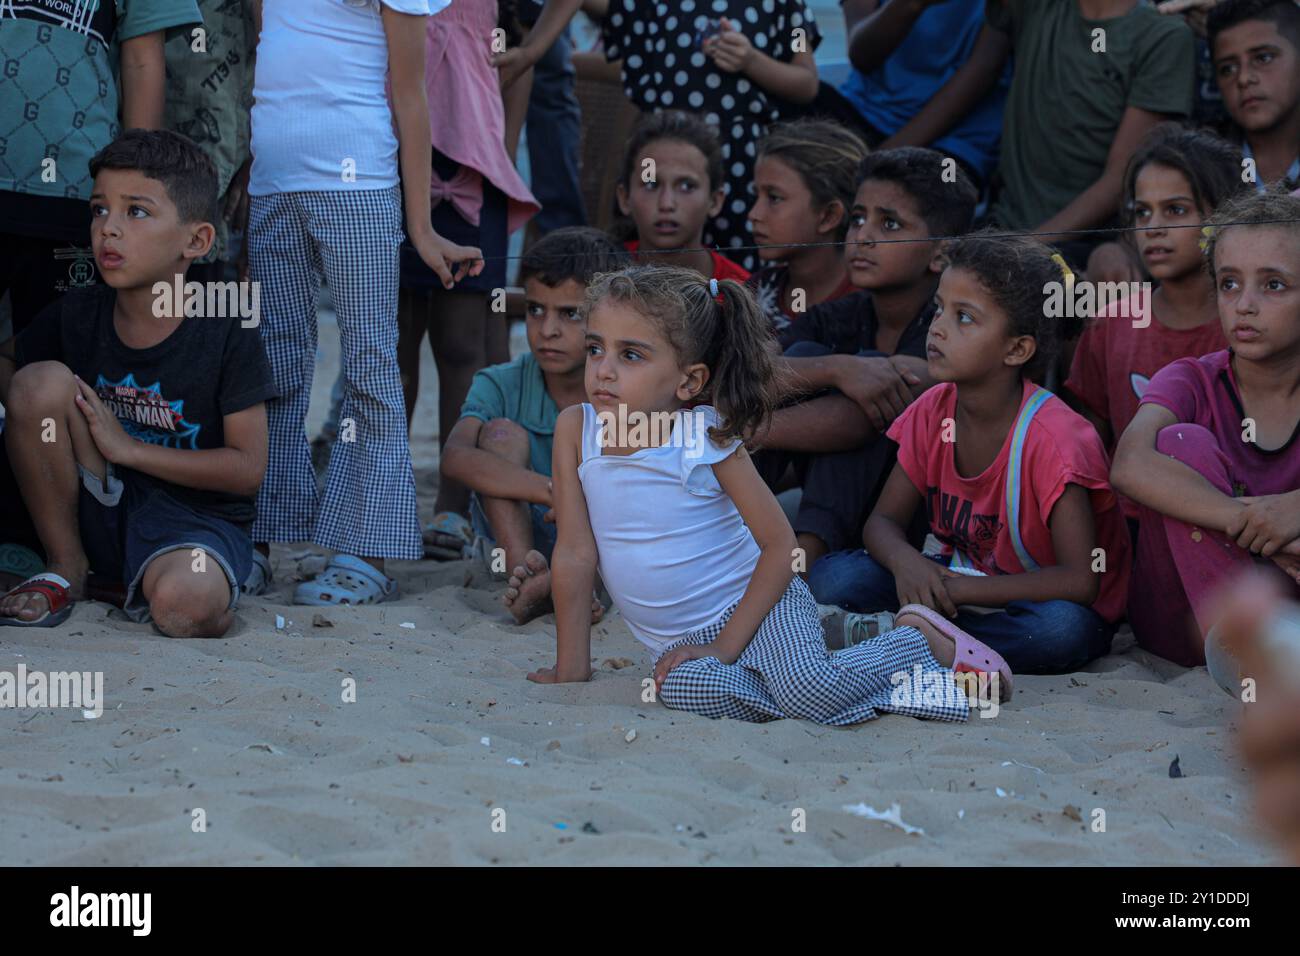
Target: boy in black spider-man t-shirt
(135, 426)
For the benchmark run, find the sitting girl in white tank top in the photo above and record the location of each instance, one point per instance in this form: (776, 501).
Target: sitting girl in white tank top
(665, 502)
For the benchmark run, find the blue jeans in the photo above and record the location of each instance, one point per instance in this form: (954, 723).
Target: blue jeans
(1035, 637)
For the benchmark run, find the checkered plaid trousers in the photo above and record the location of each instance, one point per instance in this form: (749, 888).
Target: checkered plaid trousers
(787, 671)
(352, 240)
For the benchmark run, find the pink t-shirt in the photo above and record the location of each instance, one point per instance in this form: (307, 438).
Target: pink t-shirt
(970, 514)
(1202, 391)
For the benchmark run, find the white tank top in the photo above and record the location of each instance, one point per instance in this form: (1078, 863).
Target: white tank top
(673, 550)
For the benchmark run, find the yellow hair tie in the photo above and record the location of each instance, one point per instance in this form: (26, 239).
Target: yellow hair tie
(1066, 272)
(1207, 233)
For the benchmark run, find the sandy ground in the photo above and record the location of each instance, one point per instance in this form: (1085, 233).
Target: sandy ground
(448, 756)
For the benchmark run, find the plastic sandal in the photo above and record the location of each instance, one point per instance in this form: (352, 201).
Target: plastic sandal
(259, 576)
(55, 589)
(972, 656)
(346, 580)
(448, 537)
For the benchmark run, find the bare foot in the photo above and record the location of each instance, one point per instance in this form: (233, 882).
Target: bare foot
(30, 606)
(528, 592)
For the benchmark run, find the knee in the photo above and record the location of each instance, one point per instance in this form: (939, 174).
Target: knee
(39, 386)
(503, 437)
(191, 604)
(801, 695)
(1077, 634)
(844, 577)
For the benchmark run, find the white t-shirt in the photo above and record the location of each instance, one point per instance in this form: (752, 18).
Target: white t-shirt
(673, 549)
(321, 119)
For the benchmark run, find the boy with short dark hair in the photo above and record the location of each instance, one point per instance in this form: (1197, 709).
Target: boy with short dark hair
(1256, 49)
(135, 425)
(501, 446)
(863, 356)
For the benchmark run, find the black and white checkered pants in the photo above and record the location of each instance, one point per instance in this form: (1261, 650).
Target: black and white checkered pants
(352, 240)
(787, 671)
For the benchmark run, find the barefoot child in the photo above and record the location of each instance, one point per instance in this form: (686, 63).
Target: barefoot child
(689, 541)
(157, 415)
(1212, 455)
(1174, 182)
(501, 446)
(1012, 481)
(672, 186)
(804, 183)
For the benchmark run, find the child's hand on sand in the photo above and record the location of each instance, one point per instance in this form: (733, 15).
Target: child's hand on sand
(730, 49)
(1267, 523)
(442, 255)
(679, 655)
(112, 441)
(551, 675)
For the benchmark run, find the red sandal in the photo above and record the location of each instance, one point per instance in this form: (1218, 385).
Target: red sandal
(54, 588)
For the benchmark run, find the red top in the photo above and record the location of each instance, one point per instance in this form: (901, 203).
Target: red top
(1118, 354)
(723, 268)
(970, 514)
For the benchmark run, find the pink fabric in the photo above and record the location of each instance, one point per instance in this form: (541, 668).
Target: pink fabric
(1181, 567)
(464, 191)
(465, 110)
(1202, 391)
(1061, 448)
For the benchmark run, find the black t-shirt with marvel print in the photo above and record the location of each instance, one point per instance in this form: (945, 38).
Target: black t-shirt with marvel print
(849, 325)
(174, 393)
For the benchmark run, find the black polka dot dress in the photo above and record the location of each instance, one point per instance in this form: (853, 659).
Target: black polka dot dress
(665, 68)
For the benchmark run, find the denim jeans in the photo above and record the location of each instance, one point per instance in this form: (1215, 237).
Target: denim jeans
(1035, 637)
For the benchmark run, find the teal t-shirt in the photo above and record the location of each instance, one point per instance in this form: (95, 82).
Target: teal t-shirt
(1072, 81)
(516, 390)
(59, 91)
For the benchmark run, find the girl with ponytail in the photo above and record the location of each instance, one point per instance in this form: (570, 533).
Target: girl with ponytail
(653, 488)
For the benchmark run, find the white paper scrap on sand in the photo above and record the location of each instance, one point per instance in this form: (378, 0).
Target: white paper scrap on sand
(408, 625)
(894, 815)
(485, 741)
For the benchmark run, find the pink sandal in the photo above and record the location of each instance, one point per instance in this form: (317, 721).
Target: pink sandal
(973, 656)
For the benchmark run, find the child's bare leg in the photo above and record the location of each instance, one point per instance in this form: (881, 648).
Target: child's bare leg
(46, 436)
(456, 334)
(412, 315)
(528, 592)
(511, 521)
(188, 594)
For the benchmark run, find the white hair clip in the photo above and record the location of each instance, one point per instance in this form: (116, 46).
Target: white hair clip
(713, 287)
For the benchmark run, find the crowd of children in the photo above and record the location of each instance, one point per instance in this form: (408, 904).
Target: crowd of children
(819, 411)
